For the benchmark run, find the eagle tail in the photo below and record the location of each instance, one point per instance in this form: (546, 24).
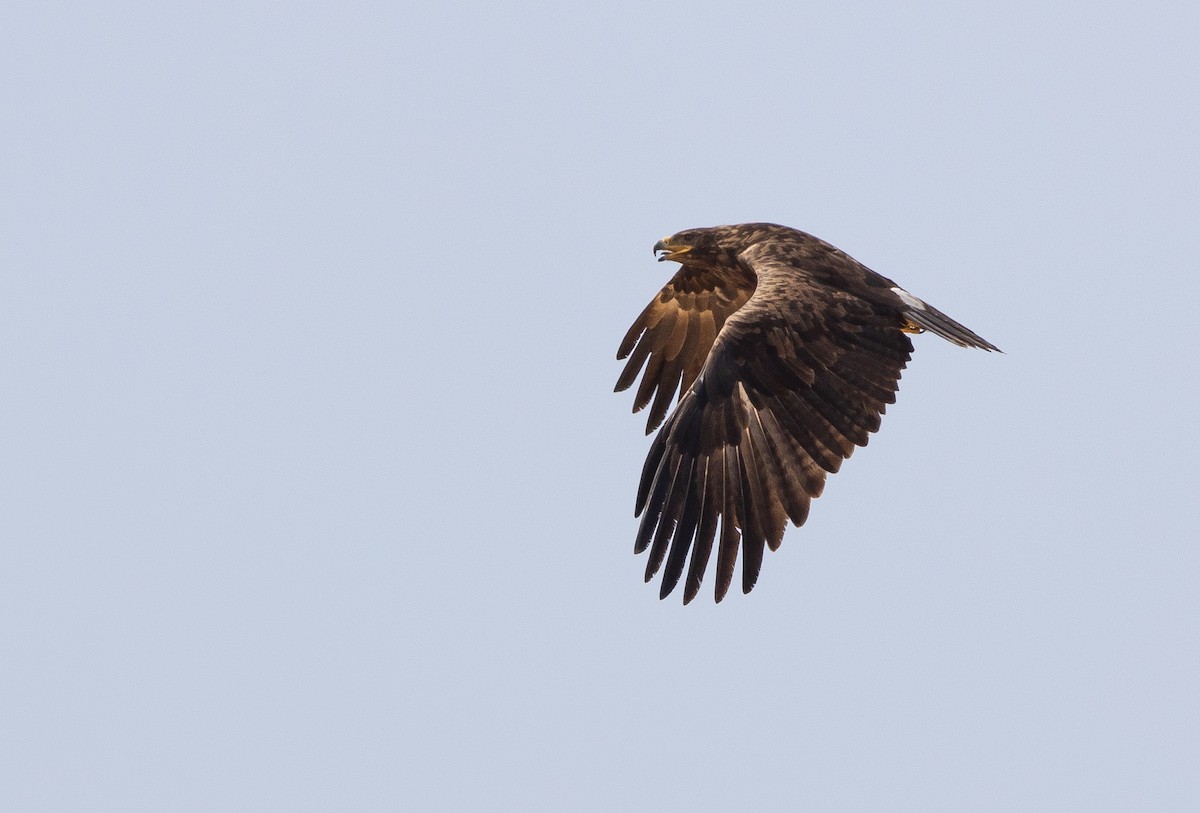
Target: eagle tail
(927, 317)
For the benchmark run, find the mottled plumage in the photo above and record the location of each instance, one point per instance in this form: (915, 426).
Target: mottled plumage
(785, 351)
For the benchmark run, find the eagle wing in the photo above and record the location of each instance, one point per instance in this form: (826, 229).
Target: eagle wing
(797, 377)
(674, 334)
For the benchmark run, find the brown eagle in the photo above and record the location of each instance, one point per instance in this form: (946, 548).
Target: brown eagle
(785, 352)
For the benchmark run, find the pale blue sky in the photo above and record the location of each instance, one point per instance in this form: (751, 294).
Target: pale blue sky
(317, 497)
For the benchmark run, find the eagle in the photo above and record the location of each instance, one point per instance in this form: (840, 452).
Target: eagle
(785, 351)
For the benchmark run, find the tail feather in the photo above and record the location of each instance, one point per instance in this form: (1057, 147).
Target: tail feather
(930, 318)
(937, 322)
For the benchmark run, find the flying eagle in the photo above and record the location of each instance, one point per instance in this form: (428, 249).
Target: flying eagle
(785, 351)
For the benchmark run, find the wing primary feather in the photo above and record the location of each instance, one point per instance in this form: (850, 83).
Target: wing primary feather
(649, 382)
(668, 519)
(632, 367)
(705, 533)
(727, 551)
(681, 540)
(804, 478)
(753, 541)
(645, 530)
(769, 516)
(633, 334)
(774, 450)
(658, 496)
(668, 383)
(649, 471)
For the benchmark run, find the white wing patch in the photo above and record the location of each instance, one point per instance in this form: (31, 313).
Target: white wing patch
(909, 299)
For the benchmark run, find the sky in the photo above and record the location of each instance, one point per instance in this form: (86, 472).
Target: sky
(316, 495)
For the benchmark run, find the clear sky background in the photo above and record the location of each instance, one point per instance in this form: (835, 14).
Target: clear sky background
(316, 495)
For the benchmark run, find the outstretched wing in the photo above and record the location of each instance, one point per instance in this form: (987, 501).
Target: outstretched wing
(674, 334)
(797, 378)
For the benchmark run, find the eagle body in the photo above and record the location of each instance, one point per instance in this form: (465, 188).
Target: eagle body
(784, 352)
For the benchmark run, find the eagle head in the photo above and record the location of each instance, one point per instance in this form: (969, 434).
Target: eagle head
(713, 247)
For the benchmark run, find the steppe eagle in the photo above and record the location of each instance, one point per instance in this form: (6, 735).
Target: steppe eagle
(785, 352)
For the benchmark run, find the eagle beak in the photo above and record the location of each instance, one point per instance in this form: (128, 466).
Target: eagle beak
(669, 252)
